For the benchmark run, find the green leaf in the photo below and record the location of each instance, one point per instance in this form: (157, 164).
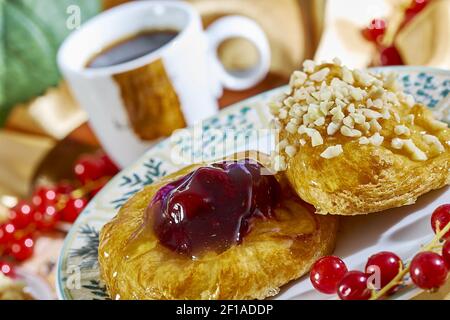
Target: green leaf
(31, 32)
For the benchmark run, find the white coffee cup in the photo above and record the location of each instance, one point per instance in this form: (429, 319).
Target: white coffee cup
(129, 104)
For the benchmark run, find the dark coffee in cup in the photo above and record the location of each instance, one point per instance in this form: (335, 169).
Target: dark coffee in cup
(132, 48)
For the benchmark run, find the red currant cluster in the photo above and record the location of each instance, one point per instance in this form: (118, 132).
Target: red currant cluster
(50, 205)
(7, 269)
(384, 271)
(376, 33)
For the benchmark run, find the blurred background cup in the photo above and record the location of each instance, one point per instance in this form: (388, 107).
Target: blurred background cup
(133, 104)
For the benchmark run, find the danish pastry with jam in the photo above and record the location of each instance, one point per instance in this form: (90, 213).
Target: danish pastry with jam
(351, 142)
(217, 231)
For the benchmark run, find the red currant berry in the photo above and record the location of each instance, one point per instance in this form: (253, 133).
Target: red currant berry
(440, 218)
(109, 167)
(64, 188)
(73, 209)
(46, 218)
(384, 266)
(7, 233)
(22, 249)
(446, 253)
(353, 286)
(326, 274)
(44, 196)
(375, 30)
(416, 7)
(7, 269)
(21, 215)
(89, 168)
(428, 270)
(390, 57)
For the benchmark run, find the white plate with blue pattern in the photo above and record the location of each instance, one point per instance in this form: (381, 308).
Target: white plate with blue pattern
(403, 230)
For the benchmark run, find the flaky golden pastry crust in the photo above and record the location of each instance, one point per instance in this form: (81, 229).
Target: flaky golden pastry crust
(275, 252)
(388, 162)
(364, 179)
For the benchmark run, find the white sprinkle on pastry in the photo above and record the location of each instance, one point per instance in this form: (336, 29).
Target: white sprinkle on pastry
(349, 132)
(320, 75)
(333, 128)
(332, 152)
(332, 100)
(291, 151)
(416, 153)
(437, 125)
(376, 139)
(364, 140)
(401, 130)
(434, 141)
(309, 66)
(279, 163)
(397, 143)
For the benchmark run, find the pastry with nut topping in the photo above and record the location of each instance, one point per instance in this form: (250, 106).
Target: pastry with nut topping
(352, 142)
(217, 231)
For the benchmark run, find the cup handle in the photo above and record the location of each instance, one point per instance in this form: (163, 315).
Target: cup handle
(239, 27)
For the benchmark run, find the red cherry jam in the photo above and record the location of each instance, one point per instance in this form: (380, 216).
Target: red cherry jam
(213, 207)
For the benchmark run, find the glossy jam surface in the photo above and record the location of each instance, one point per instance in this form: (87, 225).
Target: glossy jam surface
(213, 207)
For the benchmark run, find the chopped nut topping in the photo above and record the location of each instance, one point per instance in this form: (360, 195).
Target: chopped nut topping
(283, 114)
(410, 101)
(364, 78)
(364, 140)
(333, 128)
(349, 122)
(348, 132)
(397, 117)
(291, 127)
(356, 94)
(320, 75)
(397, 143)
(434, 141)
(415, 152)
(358, 118)
(371, 114)
(378, 104)
(347, 76)
(437, 125)
(366, 126)
(316, 138)
(402, 130)
(375, 126)
(337, 61)
(320, 121)
(390, 82)
(290, 151)
(298, 78)
(308, 66)
(279, 163)
(332, 152)
(332, 100)
(376, 139)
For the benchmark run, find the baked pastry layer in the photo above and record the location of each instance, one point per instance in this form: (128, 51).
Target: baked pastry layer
(353, 143)
(135, 265)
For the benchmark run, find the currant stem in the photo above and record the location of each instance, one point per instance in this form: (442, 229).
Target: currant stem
(399, 277)
(89, 187)
(394, 282)
(81, 192)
